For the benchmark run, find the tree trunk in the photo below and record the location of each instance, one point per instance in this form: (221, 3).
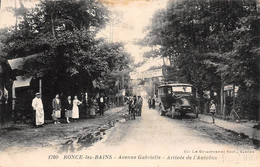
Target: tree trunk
(52, 26)
(15, 6)
(201, 102)
(258, 62)
(24, 13)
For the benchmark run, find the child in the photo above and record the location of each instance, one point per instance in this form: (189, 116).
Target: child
(212, 110)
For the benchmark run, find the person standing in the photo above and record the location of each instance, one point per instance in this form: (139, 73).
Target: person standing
(83, 107)
(149, 102)
(153, 103)
(92, 104)
(56, 105)
(68, 108)
(212, 110)
(39, 112)
(75, 108)
(130, 105)
(139, 105)
(101, 104)
(134, 106)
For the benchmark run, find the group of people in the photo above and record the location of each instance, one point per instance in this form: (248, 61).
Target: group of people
(135, 105)
(151, 102)
(69, 106)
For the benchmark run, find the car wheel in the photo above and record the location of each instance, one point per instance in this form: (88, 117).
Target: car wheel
(161, 111)
(173, 112)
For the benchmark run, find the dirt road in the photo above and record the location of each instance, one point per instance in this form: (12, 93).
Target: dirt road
(152, 140)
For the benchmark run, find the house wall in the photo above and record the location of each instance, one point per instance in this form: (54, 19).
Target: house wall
(5, 112)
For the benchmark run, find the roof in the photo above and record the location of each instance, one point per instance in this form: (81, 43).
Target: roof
(22, 81)
(17, 68)
(175, 84)
(19, 62)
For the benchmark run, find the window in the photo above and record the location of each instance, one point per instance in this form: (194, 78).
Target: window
(180, 88)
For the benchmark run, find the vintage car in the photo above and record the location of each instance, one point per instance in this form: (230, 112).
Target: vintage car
(175, 99)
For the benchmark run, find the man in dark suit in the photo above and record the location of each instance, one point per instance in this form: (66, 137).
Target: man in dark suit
(101, 103)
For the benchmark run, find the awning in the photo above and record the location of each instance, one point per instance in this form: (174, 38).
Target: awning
(18, 71)
(22, 81)
(18, 63)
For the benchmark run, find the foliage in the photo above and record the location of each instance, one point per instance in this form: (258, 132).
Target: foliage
(209, 42)
(61, 35)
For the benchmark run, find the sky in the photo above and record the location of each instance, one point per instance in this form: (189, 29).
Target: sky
(132, 19)
(6, 16)
(129, 18)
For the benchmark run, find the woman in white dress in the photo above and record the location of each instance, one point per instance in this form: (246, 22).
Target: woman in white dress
(75, 108)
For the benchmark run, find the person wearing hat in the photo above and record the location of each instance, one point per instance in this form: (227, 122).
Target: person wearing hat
(38, 108)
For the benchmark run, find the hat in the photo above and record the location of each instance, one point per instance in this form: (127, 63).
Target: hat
(38, 93)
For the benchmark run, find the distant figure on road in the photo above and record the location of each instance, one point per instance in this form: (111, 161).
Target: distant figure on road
(130, 105)
(149, 102)
(75, 108)
(153, 103)
(134, 106)
(212, 110)
(56, 105)
(68, 108)
(139, 105)
(38, 107)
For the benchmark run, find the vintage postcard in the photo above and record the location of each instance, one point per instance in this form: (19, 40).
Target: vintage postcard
(149, 83)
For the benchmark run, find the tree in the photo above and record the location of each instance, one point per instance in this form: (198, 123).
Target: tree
(61, 35)
(210, 42)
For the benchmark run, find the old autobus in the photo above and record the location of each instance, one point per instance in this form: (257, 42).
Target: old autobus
(175, 99)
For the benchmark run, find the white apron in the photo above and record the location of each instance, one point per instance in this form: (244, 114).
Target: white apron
(39, 112)
(39, 116)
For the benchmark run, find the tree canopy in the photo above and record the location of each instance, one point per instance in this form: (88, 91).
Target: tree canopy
(62, 35)
(209, 43)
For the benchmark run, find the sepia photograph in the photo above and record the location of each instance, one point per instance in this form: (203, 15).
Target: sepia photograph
(129, 83)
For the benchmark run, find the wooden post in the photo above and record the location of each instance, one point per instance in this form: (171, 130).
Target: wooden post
(40, 87)
(13, 97)
(222, 99)
(224, 105)
(123, 87)
(118, 88)
(197, 104)
(234, 98)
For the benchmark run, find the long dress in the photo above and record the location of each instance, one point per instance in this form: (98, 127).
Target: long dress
(39, 112)
(68, 108)
(75, 109)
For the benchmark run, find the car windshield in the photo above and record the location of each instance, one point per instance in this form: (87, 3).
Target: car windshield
(182, 89)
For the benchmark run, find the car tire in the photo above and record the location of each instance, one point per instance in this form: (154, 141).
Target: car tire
(173, 112)
(161, 111)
